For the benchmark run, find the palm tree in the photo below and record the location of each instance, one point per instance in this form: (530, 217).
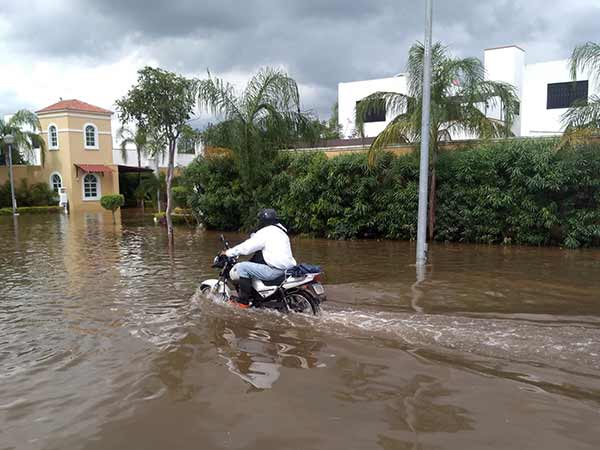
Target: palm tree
(262, 119)
(583, 118)
(459, 96)
(139, 139)
(24, 126)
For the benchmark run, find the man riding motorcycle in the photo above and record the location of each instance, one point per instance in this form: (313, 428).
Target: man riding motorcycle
(272, 255)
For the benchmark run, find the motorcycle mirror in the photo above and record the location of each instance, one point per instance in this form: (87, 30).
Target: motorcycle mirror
(225, 243)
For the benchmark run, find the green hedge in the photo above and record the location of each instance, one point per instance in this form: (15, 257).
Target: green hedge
(517, 191)
(32, 210)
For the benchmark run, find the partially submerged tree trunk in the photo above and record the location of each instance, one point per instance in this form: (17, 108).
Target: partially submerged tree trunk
(139, 155)
(172, 143)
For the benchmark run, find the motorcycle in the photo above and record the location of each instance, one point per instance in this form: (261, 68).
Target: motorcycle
(299, 290)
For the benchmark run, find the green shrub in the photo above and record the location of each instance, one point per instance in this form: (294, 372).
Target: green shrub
(520, 191)
(38, 194)
(180, 196)
(112, 202)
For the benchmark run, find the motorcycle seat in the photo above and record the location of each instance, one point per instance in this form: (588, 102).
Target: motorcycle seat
(276, 282)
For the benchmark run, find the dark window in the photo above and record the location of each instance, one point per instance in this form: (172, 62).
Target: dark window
(376, 114)
(563, 95)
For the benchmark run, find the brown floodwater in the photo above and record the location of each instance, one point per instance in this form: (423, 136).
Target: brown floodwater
(105, 344)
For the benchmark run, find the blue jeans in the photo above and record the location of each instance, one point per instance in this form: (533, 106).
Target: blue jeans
(249, 269)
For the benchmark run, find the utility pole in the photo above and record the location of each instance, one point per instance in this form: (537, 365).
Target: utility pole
(424, 164)
(9, 139)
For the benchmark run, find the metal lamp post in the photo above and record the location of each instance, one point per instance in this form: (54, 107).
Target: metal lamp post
(424, 164)
(9, 139)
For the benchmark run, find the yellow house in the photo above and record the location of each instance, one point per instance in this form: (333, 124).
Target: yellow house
(79, 153)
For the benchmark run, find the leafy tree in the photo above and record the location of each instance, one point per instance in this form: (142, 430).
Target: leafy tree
(163, 102)
(583, 118)
(188, 140)
(257, 122)
(459, 96)
(25, 126)
(112, 202)
(328, 129)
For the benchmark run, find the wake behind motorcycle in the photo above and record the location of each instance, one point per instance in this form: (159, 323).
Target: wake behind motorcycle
(299, 290)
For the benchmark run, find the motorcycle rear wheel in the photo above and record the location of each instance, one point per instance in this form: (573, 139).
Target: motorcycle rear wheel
(302, 303)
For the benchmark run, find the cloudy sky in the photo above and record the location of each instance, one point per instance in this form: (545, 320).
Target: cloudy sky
(91, 49)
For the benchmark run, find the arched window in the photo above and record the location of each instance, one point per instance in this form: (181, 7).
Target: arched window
(91, 187)
(90, 137)
(55, 181)
(52, 137)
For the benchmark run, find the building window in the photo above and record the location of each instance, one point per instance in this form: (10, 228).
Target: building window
(91, 187)
(52, 137)
(55, 182)
(563, 95)
(376, 114)
(90, 136)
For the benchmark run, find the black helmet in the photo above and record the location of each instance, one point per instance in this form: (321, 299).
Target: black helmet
(267, 216)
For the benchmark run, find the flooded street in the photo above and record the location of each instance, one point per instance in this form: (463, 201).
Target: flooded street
(105, 344)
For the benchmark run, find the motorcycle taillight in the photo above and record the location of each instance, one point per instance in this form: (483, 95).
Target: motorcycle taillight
(317, 277)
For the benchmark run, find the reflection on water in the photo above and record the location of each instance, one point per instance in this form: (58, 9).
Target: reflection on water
(105, 343)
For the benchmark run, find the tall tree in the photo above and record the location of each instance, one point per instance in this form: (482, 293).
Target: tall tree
(25, 126)
(257, 122)
(163, 102)
(460, 95)
(583, 118)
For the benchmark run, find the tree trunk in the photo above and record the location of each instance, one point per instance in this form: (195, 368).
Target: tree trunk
(158, 184)
(169, 191)
(139, 155)
(114, 220)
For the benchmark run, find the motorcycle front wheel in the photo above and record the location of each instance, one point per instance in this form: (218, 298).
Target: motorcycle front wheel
(302, 302)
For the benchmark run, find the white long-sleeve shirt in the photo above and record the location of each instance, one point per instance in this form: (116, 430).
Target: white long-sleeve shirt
(275, 246)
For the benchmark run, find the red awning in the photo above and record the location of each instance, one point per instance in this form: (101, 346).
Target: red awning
(94, 168)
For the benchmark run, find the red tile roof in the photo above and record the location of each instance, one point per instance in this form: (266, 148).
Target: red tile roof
(74, 105)
(94, 168)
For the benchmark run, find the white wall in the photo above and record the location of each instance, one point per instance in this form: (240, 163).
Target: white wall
(181, 159)
(350, 93)
(505, 64)
(537, 120)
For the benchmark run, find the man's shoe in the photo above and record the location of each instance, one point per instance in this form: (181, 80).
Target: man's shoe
(235, 301)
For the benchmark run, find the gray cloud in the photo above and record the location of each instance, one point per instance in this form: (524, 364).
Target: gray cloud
(321, 42)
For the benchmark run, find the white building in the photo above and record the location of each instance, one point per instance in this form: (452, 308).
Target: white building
(545, 91)
(181, 159)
